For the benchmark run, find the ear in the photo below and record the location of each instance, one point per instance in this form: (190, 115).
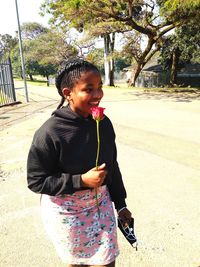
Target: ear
(66, 93)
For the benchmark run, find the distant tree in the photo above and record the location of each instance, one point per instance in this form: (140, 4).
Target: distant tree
(44, 50)
(52, 48)
(181, 47)
(32, 30)
(50, 52)
(32, 68)
(15, 59)
(46, 70)
(7, 43)
(31, 65)
(84, 45)
(96, 56)
(122, 62)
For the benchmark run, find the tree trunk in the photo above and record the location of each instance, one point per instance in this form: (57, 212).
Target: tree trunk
(145, 56)
(31, 77)
(112, 72)
(174, 67)
(47, 76)
(136, 73)
(108, 60)
(112, 63)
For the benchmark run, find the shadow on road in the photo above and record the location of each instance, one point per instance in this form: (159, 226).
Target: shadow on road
(179, 96)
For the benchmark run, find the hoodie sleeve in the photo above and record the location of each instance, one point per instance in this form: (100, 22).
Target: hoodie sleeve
(116, 187)
(42, 164)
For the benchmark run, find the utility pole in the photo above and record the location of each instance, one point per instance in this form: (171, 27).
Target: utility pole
(21, 53)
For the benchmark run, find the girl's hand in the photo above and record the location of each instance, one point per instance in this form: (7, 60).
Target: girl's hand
(94, 177)
(125, 216)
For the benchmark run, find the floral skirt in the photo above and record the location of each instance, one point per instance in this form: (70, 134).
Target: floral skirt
(81, 234)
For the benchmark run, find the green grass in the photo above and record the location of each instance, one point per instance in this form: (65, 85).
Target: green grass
(1, 98)
(171, 89)
(124, 86)
(41, 81)
(4, 99)
(38, 82)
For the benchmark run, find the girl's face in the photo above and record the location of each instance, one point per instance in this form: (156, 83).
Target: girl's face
(86, 93)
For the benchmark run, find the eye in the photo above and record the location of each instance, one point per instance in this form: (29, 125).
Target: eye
(88, 90)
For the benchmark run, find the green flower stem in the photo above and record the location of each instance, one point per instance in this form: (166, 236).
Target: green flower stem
(97, 160)
(98, 144)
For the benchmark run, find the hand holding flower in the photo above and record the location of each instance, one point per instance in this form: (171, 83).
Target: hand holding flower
(94, 177)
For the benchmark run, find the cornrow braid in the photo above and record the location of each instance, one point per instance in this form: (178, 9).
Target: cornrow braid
(62, 101)
(69, 74)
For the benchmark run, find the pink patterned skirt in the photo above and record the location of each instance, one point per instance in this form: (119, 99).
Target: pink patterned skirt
(79, 233)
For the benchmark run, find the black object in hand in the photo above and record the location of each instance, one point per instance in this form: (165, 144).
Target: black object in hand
(128, 232)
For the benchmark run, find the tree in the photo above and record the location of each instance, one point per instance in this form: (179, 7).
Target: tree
(7, 43)
(81, 15)
(47, 70)
(52, 47)
(44, 50)
(121, 62)
(32, 30)
(96, 56)
(29, 31)
(149, 31)
(50, 52)
(181, 47)
(31, 66)
(174, 5)
(145, 19)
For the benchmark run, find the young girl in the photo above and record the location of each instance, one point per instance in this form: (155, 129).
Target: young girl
(61, 167)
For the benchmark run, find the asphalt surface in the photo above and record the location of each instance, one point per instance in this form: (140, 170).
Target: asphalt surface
(158, 140)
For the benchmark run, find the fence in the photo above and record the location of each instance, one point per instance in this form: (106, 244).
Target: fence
(7, 90)
(152, 79)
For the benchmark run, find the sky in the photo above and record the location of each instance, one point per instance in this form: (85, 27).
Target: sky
(28, 12)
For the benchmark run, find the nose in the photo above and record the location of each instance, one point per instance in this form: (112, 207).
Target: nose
(98, 93)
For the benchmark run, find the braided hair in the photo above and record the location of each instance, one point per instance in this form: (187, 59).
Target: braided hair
(70, 73)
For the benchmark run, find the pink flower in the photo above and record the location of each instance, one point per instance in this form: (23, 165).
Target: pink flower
(97, 113)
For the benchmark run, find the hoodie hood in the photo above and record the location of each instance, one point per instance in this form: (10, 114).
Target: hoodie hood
(70, 116)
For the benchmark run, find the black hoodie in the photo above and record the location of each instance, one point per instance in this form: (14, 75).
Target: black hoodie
(65, 147)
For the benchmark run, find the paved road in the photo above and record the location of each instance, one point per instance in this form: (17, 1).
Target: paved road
(158, 138)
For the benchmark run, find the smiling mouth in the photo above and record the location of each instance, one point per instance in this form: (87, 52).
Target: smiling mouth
(96, 103)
